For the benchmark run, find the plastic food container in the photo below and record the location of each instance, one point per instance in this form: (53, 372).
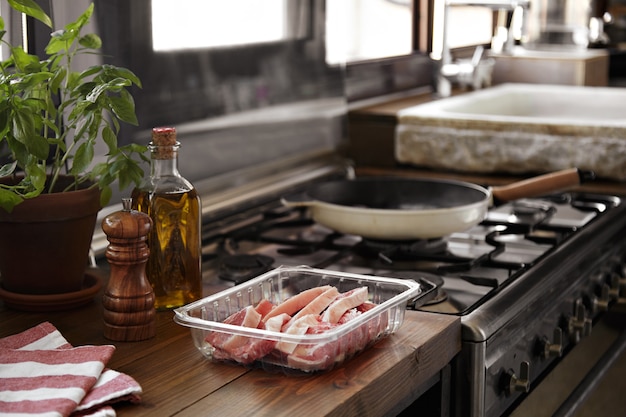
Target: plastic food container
(276, 351)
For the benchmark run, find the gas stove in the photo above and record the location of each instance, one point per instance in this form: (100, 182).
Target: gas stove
(528, 282)
(469, 267)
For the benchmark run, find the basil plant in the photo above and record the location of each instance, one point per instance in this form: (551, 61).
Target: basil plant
(52, 117)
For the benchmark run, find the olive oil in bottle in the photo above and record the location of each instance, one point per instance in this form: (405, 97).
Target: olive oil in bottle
(173, 204)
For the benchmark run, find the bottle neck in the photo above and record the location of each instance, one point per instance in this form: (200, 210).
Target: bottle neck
(164, 161)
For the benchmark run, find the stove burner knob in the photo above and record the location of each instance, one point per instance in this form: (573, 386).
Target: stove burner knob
(600, 303)
(512, 383)
(614, 287)
(549, 349)
(622, 291)
(579, 325)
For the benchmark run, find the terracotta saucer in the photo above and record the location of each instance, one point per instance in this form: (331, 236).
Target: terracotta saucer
(53, 302)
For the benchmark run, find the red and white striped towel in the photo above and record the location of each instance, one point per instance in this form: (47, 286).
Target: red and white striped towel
(42, 374)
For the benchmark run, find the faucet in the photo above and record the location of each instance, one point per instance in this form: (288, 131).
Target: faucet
(474, 72)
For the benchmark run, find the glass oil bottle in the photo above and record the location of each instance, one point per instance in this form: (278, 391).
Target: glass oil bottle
(173, 204)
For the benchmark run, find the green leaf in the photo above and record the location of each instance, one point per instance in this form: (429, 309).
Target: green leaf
(81, 109)
(90, 71)
(73, 80)
(57, 79)
(22, 60)
(58, 142)
(125, 174)
(30, 8)
(52, 126)
(82, 20)
(57, 43)
(33, 82)
(8, 200)
(99, 170)
(91, 41)
(123, 106)
(20, 153)
(118, 72)
(105, 195)
(114, 85)
(37, 175)
(109, 138)
(116, 124)
(140, 150)
(82, 158)
(38, 146)
(5, 118)
(135, 173)
(23, 124)
(27, 131)
(83, 125)
(8, 169)
(115, 166)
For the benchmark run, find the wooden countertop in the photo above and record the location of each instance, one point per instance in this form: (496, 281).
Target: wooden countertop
(177, 380)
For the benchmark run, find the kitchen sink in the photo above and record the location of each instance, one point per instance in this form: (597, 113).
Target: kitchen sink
(533, 103)
(518, 128)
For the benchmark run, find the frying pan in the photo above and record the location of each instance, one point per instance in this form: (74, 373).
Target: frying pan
(391, 208)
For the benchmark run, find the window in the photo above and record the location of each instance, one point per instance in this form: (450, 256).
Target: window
(358, 30)
(466, 26)
(223, 23)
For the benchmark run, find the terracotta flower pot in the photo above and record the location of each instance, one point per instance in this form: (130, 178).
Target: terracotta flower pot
(44, 242)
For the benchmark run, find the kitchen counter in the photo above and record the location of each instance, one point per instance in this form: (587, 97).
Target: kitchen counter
(177, 380)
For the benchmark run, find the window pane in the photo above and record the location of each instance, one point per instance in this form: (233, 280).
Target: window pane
(359, 30)
(216, 23)
(466, 26)
(469, 26)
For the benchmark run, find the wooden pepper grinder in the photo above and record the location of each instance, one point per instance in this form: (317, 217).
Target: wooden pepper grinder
(128, 301)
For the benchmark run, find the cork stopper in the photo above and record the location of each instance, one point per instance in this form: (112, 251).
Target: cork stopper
(164, 144)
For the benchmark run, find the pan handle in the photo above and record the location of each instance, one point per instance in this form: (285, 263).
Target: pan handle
(297, 200)
(541, 185)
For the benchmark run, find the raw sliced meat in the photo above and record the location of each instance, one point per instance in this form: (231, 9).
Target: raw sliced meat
(247, 317)
(276, 323)
(315, 358)
(343, 303)
(251, 318)
(349, 315)
(241, 348)
(314, 311)
(264, 307)
(297, 302)
(317, 305)
(366, 306)
(253, 350)
(298, 327)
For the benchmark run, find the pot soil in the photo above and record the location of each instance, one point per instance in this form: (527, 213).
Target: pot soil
(45, 241)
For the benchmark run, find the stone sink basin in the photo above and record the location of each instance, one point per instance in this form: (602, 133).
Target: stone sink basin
(518, 128)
